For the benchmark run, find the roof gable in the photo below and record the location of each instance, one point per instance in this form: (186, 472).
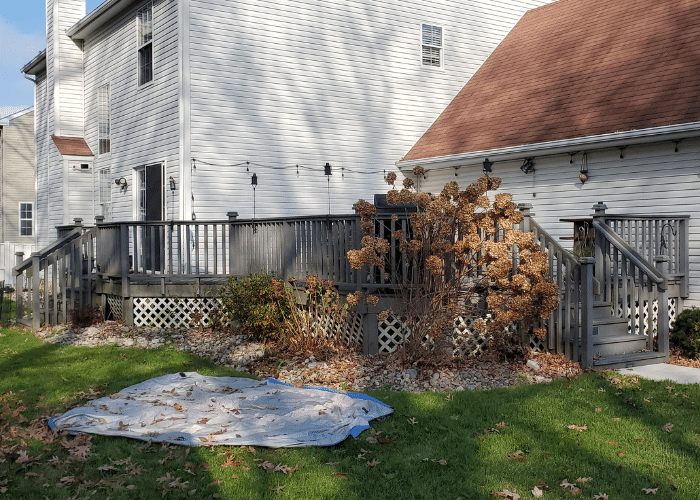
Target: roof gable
(577, 68)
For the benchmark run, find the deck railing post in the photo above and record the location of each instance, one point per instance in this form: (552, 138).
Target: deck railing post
(232, 254)
(19, 286)
(600, 254)
(124, 259)
(662, 327)
(587, 264)
(36, 270)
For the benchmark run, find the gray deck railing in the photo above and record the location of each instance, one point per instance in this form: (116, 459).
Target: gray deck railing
(56, 279)
(195, 250)
(566, 329)
(654, 235)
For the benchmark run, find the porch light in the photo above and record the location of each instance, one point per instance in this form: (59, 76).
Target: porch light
(583, 174)
(327, 173)
(487, 166)
(121, 182)
(172, 183)
(527, 166)
(254, 183)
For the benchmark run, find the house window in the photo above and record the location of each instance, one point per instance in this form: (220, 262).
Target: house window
(104, 180)
(145, 44)
(431, 45)
(103, 119)
(26, 219)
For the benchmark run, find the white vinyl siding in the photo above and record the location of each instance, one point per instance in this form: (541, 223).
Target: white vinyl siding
(26, 219)
(359, 99)
(650, 179)
(103, 119)
(144, 125)
(431, 46)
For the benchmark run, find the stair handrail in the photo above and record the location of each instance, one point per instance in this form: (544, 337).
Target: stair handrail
(630, 253)
(48, 250)
(549, 240)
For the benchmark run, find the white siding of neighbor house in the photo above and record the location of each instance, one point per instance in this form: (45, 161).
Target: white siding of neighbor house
(308, 82)
(650, 179)
(17, 174)
(144, 120)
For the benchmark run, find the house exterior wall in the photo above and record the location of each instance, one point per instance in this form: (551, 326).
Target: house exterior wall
(309, 82)
(144, 119)
(46, 219)
(17, 174)
(650, 179)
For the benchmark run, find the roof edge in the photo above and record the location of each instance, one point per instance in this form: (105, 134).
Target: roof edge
(5, 120)
(98, 17)
(36, 65)
(561, 146)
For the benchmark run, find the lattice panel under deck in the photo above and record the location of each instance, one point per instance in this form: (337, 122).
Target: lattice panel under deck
(466, 341)
(166, 312)
(115, 304)
(640, 321)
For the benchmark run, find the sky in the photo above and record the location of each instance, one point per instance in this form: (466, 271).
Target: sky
(22, 37)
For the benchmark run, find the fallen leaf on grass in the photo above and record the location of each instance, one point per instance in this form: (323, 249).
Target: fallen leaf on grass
(412, 421)
(31, 474)
(215, 483)
(614, 443)
(649, 491)
(668, 427)
(371, 440)
(278, 489)
(385, 440)
(583, 479)
(572, 487)
(506, 494)
(340, 475)
(373, 463)
(579, 428)
(621, 454)
(517, 455)
(536, 492)
(23, 457)
(442, 461)
(501, 425)
(600, 496)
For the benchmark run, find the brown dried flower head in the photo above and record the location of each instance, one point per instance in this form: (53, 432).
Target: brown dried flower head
(390, 178)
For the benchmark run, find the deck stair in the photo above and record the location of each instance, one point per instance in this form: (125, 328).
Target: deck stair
(610, 333)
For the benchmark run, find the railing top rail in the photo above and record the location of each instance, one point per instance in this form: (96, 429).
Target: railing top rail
(566, 254)
(646, 216)
(629, 252)
(46, 251)
(234, 221)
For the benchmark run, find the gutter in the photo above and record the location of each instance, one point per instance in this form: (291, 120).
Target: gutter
(563, 146)
(36, 65)
(98, 18)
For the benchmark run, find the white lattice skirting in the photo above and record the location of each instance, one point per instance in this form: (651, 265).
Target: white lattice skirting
(169, 312)
(639, 317)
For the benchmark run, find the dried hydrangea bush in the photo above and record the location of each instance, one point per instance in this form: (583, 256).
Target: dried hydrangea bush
(462, 255)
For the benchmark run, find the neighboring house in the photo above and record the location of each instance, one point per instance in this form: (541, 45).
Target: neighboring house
(164, 109)
(604, 92)
(17, 195)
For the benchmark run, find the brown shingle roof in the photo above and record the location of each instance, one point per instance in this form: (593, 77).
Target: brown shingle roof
(73, 146)
(576, 68)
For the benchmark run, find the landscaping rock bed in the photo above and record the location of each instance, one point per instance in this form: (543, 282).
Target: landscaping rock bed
(349, 371)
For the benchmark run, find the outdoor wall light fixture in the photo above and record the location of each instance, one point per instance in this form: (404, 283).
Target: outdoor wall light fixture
(121, 182)
(254, 183)
(327, 172)
(487, 166)
(583, 174)
(527, 166)
(172, 183)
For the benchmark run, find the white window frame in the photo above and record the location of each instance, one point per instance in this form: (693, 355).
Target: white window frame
(144, 43)
(104, 120)
(429, 43)
(25, 219)
(104, 192)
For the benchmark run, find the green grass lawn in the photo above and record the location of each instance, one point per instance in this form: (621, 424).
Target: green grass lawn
(470, 445)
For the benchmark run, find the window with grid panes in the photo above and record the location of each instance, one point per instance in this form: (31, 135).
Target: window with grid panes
(432, 45)
(26, 219)
(145, 44)
(103, 119)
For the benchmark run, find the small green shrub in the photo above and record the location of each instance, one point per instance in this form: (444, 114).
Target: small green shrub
(685, 333)
(260, 303)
